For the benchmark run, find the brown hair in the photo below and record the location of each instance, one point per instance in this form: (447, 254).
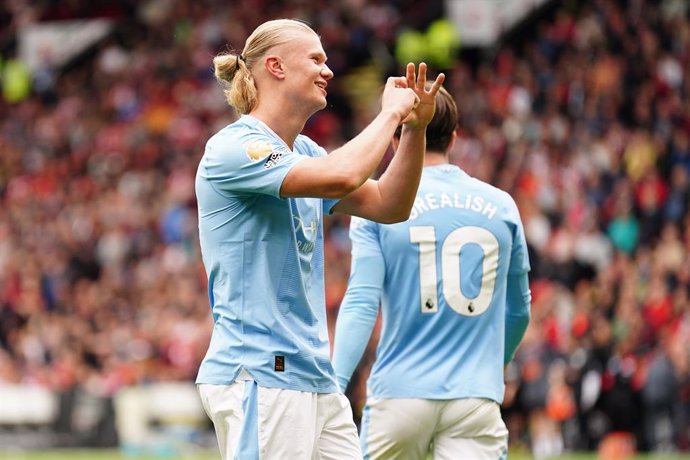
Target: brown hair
(439, 132)
(233, 71)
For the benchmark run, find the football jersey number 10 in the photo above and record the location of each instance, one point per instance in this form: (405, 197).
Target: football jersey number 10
(425, 237)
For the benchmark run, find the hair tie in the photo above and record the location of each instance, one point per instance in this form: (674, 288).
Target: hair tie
(238, 59)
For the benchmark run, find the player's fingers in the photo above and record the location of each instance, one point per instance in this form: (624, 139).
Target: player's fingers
(437, 83)
(416, 101)
(390, 83)
(421, 77)
(410, 75)
(398, 82)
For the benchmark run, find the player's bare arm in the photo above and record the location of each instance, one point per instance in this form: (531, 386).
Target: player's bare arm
(390, 198)
(348, 167)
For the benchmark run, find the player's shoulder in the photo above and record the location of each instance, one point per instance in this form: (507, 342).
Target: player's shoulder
(228, 137)
(357, 222)
(307, 146)
(493, 191)
(360, 225)
(500, 197)
(241, 139)
(473, 185)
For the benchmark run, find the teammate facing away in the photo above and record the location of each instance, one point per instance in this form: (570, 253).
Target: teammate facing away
(452, 282)
(262, 190)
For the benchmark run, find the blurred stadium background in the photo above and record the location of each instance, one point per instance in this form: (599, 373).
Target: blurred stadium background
(580, 109)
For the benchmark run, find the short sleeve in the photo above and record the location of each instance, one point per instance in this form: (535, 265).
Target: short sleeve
(252, 163)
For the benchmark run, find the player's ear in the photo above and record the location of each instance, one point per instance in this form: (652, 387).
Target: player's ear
(453, 138)
(274, 66)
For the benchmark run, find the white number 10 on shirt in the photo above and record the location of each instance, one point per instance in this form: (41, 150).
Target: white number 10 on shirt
(425, 237)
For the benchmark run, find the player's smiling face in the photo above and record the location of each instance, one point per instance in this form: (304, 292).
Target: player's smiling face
(307, 74)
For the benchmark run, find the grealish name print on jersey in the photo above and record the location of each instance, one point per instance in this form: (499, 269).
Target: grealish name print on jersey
(433, 200)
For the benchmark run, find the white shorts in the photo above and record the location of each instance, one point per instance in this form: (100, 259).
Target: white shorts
(257, 423)
(408, 429)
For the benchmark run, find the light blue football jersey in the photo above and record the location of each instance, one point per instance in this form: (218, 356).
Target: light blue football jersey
(444, 280)
(264, 260)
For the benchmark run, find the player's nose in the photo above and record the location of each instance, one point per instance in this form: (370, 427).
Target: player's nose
(326, 72)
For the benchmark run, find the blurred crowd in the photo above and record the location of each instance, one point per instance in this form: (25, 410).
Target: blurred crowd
(584, 117)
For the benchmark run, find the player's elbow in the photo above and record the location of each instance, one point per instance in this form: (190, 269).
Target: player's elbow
(386, 213)
(395, 216)
(399, 213)
(341, 184)
(346, 184)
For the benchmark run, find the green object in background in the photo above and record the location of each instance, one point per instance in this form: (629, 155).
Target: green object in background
(443, 43)
(437, 46)
(183, 31)
(16, 80)
(410, 47)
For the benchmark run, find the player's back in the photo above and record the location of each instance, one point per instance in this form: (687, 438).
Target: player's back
(444, 293)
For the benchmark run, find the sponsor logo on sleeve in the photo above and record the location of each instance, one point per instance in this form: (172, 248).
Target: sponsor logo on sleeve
(276, 154)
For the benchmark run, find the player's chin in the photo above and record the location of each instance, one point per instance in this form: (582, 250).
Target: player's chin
(322, 103)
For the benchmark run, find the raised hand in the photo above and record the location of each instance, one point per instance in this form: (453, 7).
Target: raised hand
(423, 112)
(399, 97)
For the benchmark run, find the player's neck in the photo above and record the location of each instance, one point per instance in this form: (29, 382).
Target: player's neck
(435, 158)
(285, 124)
